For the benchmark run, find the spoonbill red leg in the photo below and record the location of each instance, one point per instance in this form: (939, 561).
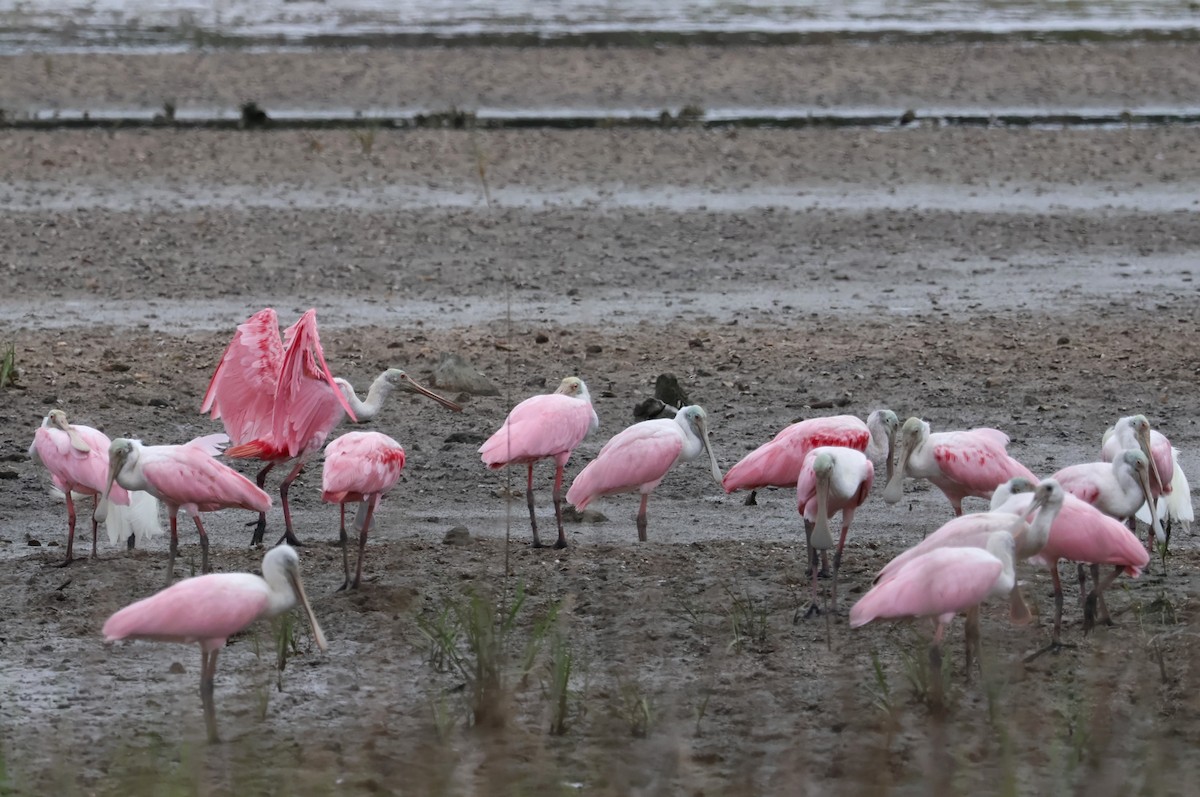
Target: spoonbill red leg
(537, 543)
(71, 531)
(289, 535)
(175, 546)
(971, 634)
(837, 555)
(937, 705)
(810, 569)
(95, 523)
(260, 525)
(1056, 643)
(558, 497)
(344, 539)
(1095, 598)
(641, 518)
(362, 542)
(208, 671)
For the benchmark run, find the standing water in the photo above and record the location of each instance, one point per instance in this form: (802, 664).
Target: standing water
(179, 24)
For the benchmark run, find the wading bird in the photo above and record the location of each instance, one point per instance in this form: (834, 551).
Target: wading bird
(77, 458)
(279, 402)
(940, 584)
(1133, 431)
(1172, 496)
(359, 467)
(777, 463)
(832, 479)
(1082, 533)
(183, 477)
(974, 530)
(960, 464)
(636, 459)
(209, 609)
(544, 427)
(1029, 533)
(1118, 489)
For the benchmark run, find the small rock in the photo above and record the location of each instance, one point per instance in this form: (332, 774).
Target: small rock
(455, 373)
(9, 474)
(1064, 340)
(176, 668)
(32, 543)
(573, 515)
(594, 348)
(541, 337)
(157, 402)
(457, 536)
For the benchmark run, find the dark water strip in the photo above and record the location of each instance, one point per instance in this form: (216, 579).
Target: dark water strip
(254, 118)
(176, 39)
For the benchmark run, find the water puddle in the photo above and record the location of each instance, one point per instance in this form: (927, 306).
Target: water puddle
(963, 285)
(122, 25)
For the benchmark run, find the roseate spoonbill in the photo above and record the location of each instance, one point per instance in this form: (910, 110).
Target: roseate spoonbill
(1030, 535)
(777, 463)
(1168, 485)
(637, 458)
(77, 458)
(831, 479)
(280, 404)
(183, 477)
(362, 467)
(1117, 489)
(544, 427)
(1082, 533)
(973, 530)
(1175, 507)
(209, 609)
(1015, 485)
(972, 462)
(940, 584)
(1133, 431)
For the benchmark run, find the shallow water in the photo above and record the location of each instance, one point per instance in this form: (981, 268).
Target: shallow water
(38, 24)
(1032, 284)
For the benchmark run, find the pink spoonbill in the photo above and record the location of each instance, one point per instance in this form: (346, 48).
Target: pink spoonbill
(1082, 533)
(1133, 431)
(960, 464)
(1172, 497)
(279, 402)
(1117, 489)
(1029, 534)
(209, 609)
(777, 463)
(77, 458)
(359, 467)
(940, 584)
(544, 427)
(636, 459)
(183, 477)
(832, 479)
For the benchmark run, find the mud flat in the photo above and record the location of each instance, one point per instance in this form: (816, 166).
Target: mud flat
(1038, 281)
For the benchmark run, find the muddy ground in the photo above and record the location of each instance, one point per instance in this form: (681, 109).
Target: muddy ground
(1039, 281)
